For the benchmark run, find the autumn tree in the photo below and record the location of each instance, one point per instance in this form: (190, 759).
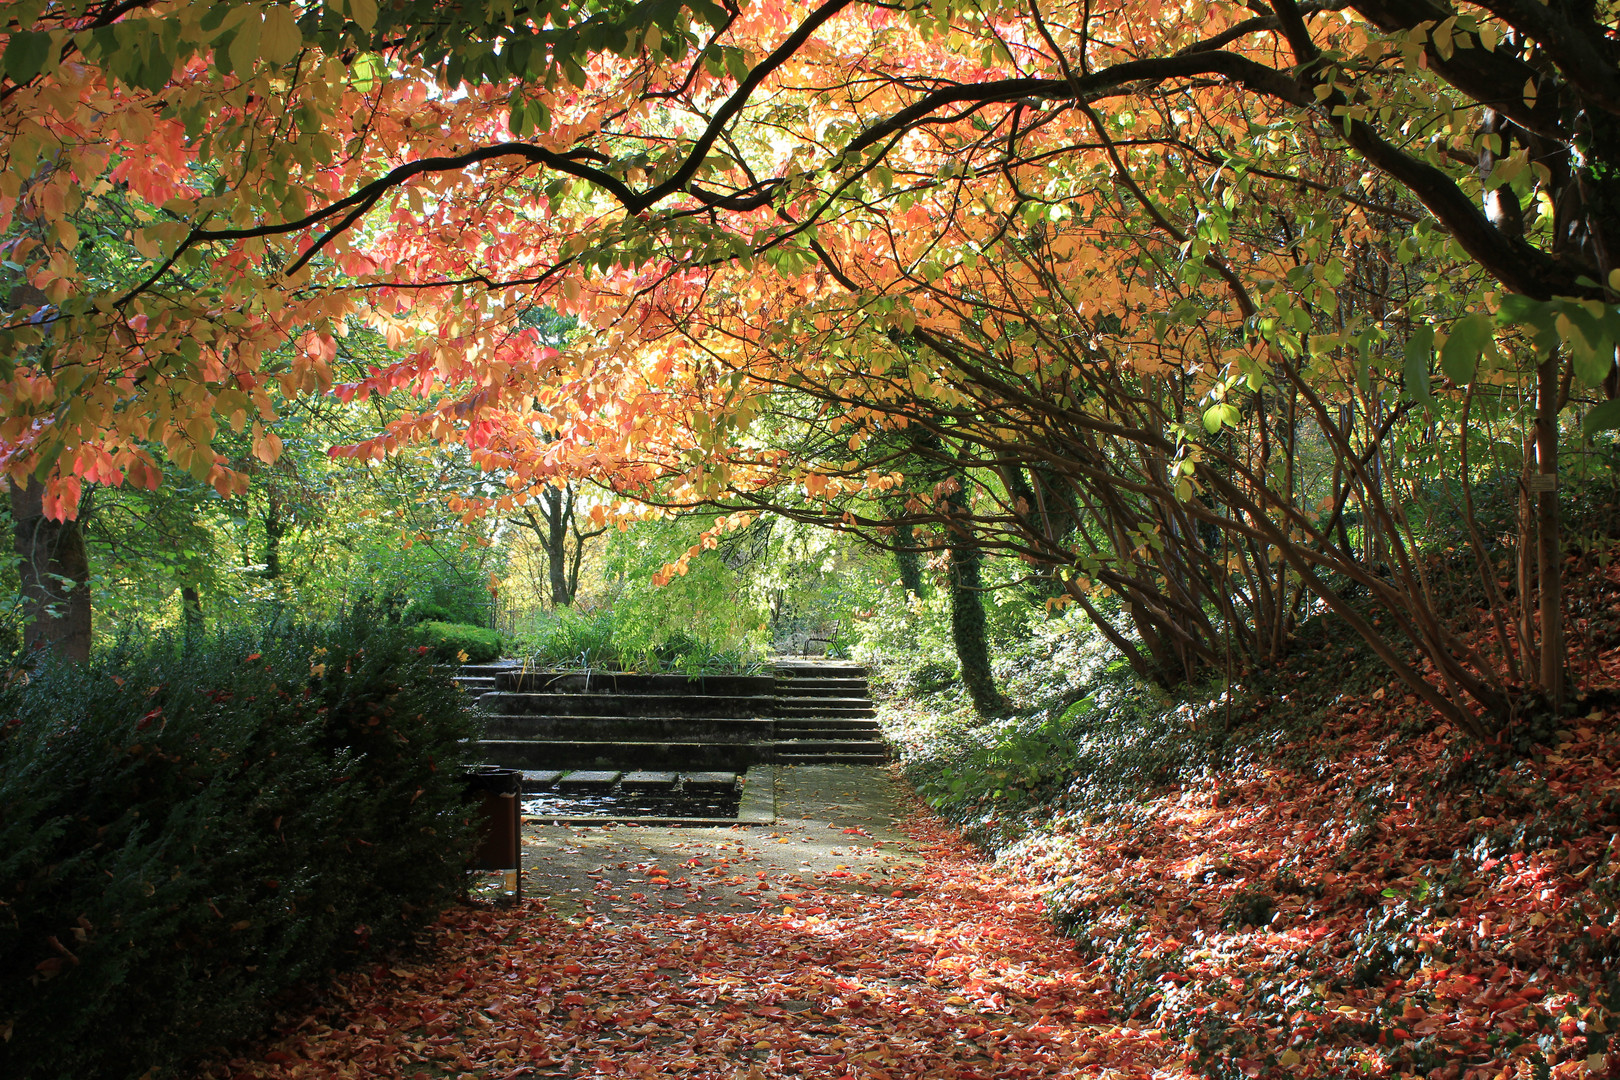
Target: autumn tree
(1224, 174)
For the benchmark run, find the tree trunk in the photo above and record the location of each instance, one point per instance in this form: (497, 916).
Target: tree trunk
(55, 572)
(191, 609)
(275, 527)
(557, 505)
(967, 611)
(1526, 578)
(1548, 545)
(908, 561)
(968, 631)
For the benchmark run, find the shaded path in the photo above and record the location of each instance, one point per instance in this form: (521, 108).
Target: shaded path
(836, 824)
(836, 944)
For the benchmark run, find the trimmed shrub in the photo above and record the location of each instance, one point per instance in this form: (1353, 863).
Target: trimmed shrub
(449, 640)
(184, 838)
(575, 640)
(430, 612)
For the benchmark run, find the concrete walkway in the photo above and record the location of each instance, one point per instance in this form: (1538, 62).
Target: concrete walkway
(836, 823)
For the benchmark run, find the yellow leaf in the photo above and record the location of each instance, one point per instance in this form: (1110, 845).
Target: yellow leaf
(244, 47)
(267, 449)
(364, 13)
(280, 39)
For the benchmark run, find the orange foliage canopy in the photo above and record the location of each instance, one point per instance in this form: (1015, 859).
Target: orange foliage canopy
(726, 200)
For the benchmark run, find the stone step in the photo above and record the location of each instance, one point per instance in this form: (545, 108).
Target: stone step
(482, 671)
(478, 683)
(537, 780)
(849, 725)
(633, 683)
(589, 780)
(546, 704)
(634, 728)
(826, 708)
(877, 757)
(805, 746)
(643, 780)
(857, 739)
(802, 686)
(595, 754)
(714, 782)
(818, 669)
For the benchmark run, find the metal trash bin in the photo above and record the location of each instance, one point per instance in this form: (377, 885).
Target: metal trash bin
(500, 820)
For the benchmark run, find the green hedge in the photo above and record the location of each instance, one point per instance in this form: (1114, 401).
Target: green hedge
(429, 612)
(184, 837)
(449, 640)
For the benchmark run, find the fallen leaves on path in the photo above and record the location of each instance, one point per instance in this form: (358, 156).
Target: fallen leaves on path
(960, 975)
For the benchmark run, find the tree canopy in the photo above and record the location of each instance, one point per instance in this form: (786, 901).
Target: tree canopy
(1161, 298)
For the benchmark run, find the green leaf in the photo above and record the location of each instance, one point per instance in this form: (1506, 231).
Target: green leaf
(1460, 355)
(47, 460)
(1419, 354)
(1538, 317)
(366, 72)
(1590, 346)
(1224, 413)
(1606, 417)
(26, 54)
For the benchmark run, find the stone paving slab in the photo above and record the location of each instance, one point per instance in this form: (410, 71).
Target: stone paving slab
(709, 781)
(836, 824)
(643, 780)
(588, 778)
(540, 779)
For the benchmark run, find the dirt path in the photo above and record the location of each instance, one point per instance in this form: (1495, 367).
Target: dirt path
(856, 938)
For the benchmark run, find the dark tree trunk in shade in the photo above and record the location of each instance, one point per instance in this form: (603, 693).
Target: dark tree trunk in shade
(909, 561)
(55, 571)
(968, 632)
(191, 609)
(557, 506)
(1549, 549)
(968, 625)
(275, 527)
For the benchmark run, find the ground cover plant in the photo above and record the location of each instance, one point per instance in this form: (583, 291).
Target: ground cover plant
(186, 834)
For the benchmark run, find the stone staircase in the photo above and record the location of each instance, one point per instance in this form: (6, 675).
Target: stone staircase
(808, 712)
(608, 721)
(476, 680)
(824, 715)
